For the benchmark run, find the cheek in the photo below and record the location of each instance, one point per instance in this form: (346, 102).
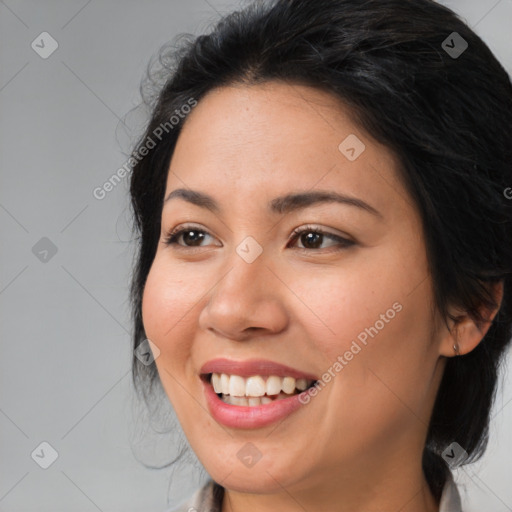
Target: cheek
(374, 316)
(358, 302)
(167, 310)
(168, 314)
(387, 363)
(377, 370)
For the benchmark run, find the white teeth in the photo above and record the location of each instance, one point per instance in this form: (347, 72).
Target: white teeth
(302, 384)
(250, 402)
(236, 385)
(238, 400)
(216, 383)
(288, 385)
(256, 386)
(273, 385)
(224, 383)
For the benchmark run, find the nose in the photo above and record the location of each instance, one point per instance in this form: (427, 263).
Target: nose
(247, 302)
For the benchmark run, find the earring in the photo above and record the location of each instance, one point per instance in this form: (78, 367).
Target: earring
(456, 349)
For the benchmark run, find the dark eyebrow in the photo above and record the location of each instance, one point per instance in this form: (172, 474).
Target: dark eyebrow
(279, 205)
(198, 198)
(292, 202)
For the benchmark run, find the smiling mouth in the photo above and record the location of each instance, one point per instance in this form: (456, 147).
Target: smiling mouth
(255, 390)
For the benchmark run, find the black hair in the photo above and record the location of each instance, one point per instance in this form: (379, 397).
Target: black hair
(444, 109)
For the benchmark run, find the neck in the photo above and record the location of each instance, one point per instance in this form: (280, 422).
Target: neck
(402, 488)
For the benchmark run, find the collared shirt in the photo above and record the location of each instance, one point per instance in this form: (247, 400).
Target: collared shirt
(208, 498)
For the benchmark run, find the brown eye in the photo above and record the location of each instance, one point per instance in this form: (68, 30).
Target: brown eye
(312, 238)
(191, 236)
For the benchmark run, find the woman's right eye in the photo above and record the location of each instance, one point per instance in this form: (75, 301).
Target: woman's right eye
(192, 237)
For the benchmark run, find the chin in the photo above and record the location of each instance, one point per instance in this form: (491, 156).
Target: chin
(261, 478)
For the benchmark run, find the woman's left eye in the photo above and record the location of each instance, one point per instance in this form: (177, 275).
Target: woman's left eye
(315, 236)
(311, 238)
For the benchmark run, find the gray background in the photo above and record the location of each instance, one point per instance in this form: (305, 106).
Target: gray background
(65, 366)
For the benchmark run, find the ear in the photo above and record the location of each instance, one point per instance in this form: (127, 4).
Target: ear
(466, 333)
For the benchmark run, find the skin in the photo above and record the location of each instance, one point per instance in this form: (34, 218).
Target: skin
(357, 445)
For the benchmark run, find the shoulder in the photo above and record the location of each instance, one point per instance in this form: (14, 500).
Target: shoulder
(207, 498)
(450, 499)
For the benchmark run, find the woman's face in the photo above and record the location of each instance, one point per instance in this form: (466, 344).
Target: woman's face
(351, 308)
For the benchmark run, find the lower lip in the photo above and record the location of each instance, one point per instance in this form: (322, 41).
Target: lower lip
(240, 416)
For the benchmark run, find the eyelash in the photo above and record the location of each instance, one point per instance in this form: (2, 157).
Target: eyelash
(343, 243)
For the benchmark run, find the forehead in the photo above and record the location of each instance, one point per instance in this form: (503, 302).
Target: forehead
(260, 141)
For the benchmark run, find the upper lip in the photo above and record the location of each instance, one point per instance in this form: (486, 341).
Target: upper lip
(252, 367)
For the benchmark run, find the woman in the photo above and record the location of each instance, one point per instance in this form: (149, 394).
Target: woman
(324, 271)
